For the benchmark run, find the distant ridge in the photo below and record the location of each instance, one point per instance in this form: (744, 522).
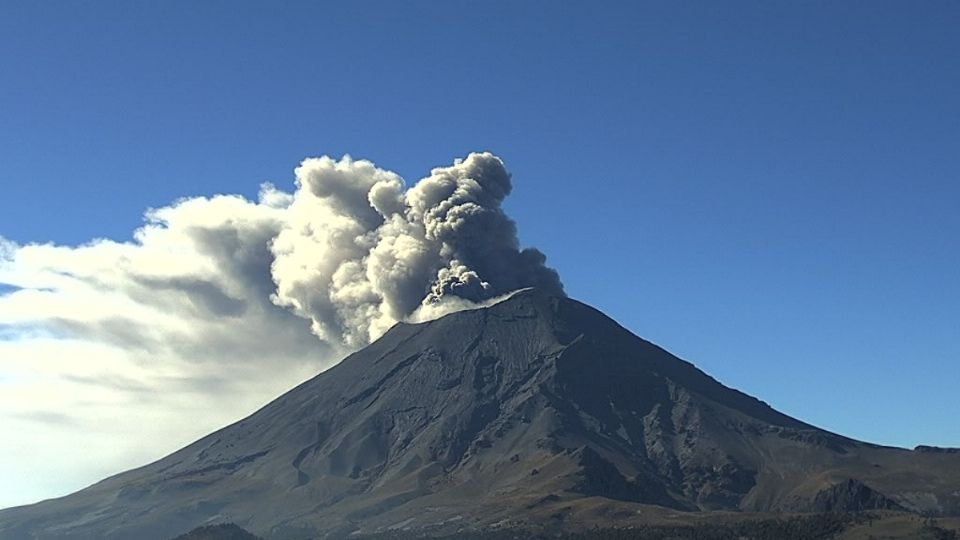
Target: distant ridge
(937, 450)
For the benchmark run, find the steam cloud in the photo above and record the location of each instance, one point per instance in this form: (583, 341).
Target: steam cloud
(216, 305)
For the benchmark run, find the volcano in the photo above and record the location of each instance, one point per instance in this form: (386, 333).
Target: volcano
(538, 409)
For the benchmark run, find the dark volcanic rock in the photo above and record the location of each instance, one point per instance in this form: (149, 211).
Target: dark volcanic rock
(852, 496)
(524, 412)
(599, 477)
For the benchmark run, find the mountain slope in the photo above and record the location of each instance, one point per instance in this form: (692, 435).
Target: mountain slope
(525, 412)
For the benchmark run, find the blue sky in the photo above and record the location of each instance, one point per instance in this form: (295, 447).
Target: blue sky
(767, 189)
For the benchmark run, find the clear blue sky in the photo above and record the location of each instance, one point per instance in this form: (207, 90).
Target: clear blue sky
(768, 189)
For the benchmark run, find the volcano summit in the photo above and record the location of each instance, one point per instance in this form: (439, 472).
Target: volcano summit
(536, 410)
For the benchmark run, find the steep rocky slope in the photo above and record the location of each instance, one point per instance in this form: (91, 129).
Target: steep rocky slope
(535, 410)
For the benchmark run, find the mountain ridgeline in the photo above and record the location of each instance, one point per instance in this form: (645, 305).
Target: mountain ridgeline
(538, 411)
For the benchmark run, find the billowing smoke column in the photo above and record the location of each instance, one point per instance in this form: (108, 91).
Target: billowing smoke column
(359, 252)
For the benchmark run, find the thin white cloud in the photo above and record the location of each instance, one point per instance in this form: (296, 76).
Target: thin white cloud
(113, 353)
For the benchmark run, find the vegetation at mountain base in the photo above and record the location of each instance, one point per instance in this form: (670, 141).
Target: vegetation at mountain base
(825, 526)
(812, 527)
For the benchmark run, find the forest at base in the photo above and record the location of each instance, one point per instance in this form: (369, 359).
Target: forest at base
(805, 527)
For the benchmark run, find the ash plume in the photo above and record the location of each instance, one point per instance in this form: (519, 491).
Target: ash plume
(359, 251)
(352, 249)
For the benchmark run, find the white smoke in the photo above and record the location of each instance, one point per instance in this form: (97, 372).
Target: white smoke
(216, 305)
